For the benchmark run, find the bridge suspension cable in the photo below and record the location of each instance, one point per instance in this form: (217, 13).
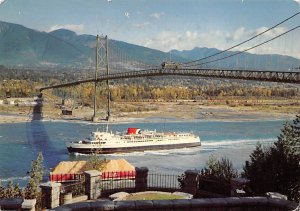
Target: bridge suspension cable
(241, 43)
(248, 49)
(124, 60)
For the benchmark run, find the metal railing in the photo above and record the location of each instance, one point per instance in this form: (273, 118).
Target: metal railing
(126, 181)
(117, 180)
(76, 188)
(162, 181)
(65, 177)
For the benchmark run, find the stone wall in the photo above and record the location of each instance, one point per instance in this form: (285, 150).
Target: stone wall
(18, 204)
(232, 203)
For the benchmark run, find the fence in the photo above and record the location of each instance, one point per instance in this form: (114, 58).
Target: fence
(141, 180)
(162, 181)
(118, 175)
(117, 180)
(76, 188)
(126, 181)
(65, 177)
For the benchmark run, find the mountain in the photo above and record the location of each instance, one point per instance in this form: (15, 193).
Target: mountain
(24, 47)
(116, 48)
(245, 60)
(20, 46)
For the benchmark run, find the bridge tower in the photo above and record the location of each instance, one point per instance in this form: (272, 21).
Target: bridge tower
(101, 69)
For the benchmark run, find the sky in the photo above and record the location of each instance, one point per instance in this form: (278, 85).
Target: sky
(163, 24)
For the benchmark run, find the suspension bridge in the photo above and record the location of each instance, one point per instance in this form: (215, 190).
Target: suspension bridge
(267, 56)
(245, 66)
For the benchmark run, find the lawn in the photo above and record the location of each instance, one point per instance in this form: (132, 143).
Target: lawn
(152, 196)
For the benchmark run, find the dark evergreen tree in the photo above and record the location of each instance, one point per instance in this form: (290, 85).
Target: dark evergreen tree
(36, 176)
(277, 168)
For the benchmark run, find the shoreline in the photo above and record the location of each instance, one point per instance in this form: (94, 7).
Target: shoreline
(207, 114)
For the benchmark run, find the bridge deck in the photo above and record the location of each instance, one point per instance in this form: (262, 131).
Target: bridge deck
(272, 76)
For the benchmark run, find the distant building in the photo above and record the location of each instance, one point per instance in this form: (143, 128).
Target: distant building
(23, 101)
(66, 112)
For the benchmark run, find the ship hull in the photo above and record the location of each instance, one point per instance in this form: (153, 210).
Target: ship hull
(130, 149)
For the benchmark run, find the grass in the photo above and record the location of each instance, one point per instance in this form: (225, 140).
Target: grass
(152, 196)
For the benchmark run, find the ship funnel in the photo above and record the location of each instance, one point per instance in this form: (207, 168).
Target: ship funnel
(132, 130)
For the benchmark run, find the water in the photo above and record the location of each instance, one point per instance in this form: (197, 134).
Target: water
(20, 143)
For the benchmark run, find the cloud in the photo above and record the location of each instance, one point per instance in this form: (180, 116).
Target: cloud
(140, 25)
(127, 15)
(298, 1)
(168, 40)
(73, 27)
(157, 15)
(2, 1)
(241, 34)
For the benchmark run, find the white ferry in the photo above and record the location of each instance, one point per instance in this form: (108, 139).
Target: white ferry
(133, 140)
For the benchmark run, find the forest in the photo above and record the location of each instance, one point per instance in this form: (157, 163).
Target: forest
(141, 92)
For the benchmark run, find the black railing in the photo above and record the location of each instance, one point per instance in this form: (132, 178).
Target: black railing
(162, 181)
(76, 188)
(117, 180)
(126, 181)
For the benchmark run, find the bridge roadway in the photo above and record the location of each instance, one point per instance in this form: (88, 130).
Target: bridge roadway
(272, 76)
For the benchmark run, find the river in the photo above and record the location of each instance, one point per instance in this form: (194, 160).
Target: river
(20, 143)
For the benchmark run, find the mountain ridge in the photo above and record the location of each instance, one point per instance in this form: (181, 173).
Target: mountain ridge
(22, 47)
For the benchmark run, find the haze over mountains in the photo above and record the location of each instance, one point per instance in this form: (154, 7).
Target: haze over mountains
(24, 47)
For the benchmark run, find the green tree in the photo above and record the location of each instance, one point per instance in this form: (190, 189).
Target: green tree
(277, 168)
(36, 175)
(95, 162)
(219, 171)
(10, 190)
(222, 170)
(18, 191)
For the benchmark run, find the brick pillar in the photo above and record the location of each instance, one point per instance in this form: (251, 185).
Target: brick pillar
(92, 184)
(50, 194)
(141, 176)
(191, 182)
